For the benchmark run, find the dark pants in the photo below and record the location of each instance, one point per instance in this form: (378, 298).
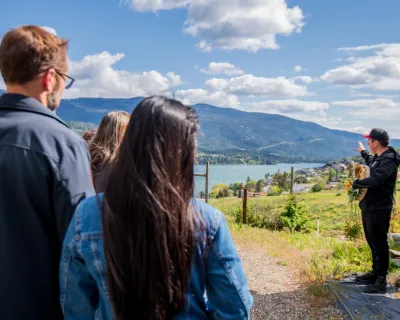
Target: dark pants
(376, 227)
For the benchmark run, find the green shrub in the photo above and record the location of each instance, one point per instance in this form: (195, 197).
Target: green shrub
(353, 228)
(259, 216)
(316, 188)
(274, 191)
(294, 215)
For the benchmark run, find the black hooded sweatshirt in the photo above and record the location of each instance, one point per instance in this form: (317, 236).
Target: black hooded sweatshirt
(381, 183)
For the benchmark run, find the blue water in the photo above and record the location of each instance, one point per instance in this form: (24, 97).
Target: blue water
(228, 174)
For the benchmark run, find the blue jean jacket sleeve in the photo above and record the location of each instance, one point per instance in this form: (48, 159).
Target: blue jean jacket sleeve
(228, 293)
(78, 290)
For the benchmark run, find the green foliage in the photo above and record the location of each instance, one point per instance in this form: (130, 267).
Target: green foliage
(259, 215)
(317, 187)
(352, 257)
(282, 180)
(274, 191)
(251, 185)
(353, 228)
(259, 185)
(236, 186)
(332, 174)
(220, 191)
(300, 179)
(294, 215)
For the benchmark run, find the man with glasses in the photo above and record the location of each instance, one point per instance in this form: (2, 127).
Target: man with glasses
(44, 172)
(377, 205)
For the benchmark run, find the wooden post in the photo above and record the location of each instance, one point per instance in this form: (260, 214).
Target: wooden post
(244, 206)
(207, 163)
(318, 227)
(291, 180)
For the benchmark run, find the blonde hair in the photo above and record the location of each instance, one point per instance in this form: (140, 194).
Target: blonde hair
(105, 144)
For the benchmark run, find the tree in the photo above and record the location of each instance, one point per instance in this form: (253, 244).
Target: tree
(236, 186)
(248, 179)
(337, 175)
(251, 184)
(220, 191)
(282, 180)
(259, 185)
(300, 179)
(332, 174)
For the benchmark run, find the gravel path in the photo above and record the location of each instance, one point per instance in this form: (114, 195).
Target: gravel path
(276, 293)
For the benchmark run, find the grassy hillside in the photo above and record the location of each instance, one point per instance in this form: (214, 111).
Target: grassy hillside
(316, 259)
(332, 208)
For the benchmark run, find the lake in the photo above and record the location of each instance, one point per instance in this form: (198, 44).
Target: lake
(228, 174)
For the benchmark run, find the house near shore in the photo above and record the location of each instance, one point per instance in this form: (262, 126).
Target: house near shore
(267, 188)
(302, 187)
(332, 185)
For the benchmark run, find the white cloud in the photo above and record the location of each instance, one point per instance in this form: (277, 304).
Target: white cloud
(96, 77)
(222, 68)
(297, 68)
(258, 86)
(380, 71)
(217, 98)
(243, 24)
(376, 104)
(51, 30)
(155, 5)
(372, 109)
(358, 129)
(304, 79)
(204, 46)
(288, 106)
(363, 48)
(234, 24)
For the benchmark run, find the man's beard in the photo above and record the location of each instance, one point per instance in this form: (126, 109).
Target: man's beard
(52, 102)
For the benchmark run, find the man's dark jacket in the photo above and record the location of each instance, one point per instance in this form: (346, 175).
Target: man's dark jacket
(381, 183)
(44, 174)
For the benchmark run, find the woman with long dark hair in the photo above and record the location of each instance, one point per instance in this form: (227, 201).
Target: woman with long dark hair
(145, 249)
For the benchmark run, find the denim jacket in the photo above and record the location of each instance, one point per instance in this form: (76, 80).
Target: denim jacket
(218, 285)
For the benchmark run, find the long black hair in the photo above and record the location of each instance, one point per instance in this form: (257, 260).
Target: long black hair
(148, 220)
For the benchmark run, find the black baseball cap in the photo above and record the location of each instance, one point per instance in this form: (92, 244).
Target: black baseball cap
(377, 134)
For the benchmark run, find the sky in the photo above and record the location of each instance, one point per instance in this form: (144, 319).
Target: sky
(335, 63)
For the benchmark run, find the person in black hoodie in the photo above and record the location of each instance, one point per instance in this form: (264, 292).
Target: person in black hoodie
(377, 205)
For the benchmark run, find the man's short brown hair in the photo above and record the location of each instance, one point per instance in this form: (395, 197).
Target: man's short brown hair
(27, 51)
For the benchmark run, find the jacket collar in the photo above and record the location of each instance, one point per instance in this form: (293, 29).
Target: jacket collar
(19, 102)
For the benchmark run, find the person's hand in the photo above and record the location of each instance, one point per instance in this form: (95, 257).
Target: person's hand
(360, 147)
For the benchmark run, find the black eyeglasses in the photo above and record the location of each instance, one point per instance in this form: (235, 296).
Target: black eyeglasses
(68, 80)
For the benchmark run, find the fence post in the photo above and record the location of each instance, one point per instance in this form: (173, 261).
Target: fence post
(291, 180)
(318, 227)
(207, 163)
(244, 216)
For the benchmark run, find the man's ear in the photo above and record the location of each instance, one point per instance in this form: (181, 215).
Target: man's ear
(47, 80)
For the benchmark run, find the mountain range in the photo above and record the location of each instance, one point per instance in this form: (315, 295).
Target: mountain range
(227, 131)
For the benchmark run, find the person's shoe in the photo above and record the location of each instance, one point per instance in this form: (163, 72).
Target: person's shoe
(369, 277)
(379, 286)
